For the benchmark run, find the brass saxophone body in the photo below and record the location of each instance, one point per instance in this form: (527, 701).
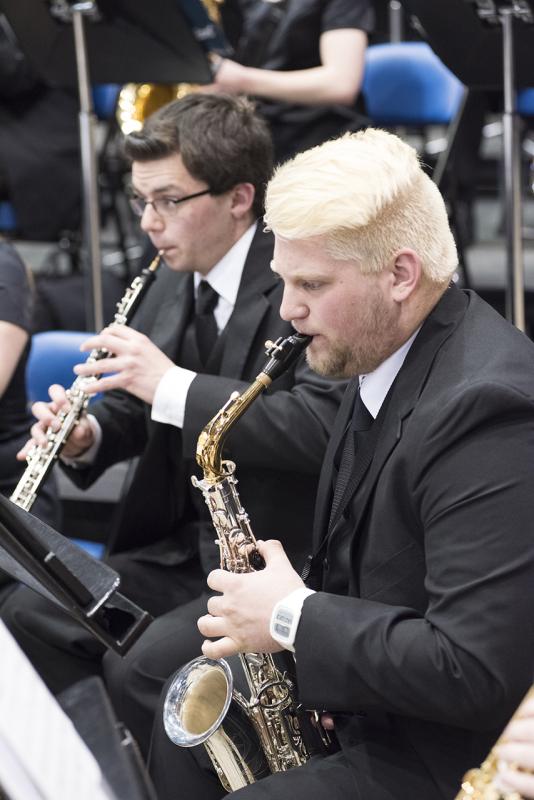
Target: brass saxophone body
(477, 784)
(201, 693)
(40, 460)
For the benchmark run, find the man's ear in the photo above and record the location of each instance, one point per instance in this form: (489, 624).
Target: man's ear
(407, 272)
(242, 199)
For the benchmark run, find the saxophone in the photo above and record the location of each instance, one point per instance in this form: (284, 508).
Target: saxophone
(200, 694)
(40, 460)
(477, 784)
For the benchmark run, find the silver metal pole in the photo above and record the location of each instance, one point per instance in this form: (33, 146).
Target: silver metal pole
(91, 213)
(396, 33)
(515, 291)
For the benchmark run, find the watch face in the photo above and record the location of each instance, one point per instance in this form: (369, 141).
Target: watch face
(282, 623)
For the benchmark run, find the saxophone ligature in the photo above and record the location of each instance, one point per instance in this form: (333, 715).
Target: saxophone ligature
(202, 706)
(40, 460)
(478, 783)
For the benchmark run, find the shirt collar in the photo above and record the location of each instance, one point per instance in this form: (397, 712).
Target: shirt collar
(375, 385)
(225, 275)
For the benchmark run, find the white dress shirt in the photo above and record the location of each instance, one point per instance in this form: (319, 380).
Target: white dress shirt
(171, 393)
(168, 405)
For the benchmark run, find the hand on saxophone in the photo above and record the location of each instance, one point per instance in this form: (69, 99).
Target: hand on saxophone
(47, 415)
(136, 364)
(239, 617)
(516, 754)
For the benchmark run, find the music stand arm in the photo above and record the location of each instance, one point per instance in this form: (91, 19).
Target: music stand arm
(515, 295)
(91, 214)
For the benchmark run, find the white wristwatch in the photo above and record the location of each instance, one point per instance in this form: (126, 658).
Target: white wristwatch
(285, 617)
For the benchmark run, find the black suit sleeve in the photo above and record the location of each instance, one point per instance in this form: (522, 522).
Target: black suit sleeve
(123, 419)
(464, 484)
(283, 428)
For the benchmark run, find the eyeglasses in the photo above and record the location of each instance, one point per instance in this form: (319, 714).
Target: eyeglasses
(163, 206)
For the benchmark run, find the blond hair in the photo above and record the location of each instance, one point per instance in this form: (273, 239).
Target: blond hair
(366, 192)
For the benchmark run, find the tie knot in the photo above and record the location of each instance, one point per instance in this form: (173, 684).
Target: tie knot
(206, 299)
(362, 419)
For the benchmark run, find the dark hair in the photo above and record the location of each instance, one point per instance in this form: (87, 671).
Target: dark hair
(221, 139)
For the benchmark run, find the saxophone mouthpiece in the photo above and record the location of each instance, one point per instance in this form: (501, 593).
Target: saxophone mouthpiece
(283, 353)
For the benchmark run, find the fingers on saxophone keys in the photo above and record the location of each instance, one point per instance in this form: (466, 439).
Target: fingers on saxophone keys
(222, 648)
(510, 779)
(516, 756)
(211, 626)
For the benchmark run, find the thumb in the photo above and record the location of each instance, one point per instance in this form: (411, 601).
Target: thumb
(272, 551)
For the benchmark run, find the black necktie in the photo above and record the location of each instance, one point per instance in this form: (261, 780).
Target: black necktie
(205, 325)
(359, 426)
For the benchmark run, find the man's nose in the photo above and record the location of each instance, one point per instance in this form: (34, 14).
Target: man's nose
(150, 220)
(291, 307)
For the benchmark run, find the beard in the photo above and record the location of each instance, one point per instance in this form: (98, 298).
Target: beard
(375, 337)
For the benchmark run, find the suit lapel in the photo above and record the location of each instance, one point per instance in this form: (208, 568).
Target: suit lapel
(402, 398)
(251, 305)
(173, 315)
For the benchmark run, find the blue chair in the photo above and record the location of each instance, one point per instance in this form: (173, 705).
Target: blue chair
(53, 355)
(405, 83)
(8, 220)
(525, 102)
(105, 97)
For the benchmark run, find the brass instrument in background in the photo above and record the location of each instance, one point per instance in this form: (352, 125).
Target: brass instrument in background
(137, 101)
(477, 784)
(268, 725)
(41, 459)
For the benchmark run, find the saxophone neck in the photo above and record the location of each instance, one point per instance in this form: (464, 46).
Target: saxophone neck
(282, 354)
(211, 440)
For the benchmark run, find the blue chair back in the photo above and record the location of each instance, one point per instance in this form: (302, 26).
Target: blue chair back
(405, 83)
(53, 354)
(525, 102)
(105, 99)
(8, 220)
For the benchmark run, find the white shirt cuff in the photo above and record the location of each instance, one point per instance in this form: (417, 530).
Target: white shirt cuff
(170, 396)
(88, 456)
(285, 617)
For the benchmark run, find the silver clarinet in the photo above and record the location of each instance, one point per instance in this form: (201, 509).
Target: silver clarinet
(263, 734)
(40, 460)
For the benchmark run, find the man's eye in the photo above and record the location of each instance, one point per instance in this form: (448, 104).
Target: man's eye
(311, 286)
(168, 202)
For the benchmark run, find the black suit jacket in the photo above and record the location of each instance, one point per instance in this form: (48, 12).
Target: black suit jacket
(432, 647)
(278, 445)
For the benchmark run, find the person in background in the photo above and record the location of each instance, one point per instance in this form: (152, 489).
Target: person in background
(303, 61)
(16, 301)
(39, 147)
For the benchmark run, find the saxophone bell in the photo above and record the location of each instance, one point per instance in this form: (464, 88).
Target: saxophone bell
(197, 705)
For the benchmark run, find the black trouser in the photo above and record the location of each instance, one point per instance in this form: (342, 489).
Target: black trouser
(135, 681)
(63, 651)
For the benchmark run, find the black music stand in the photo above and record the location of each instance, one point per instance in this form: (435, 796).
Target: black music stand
(89, 708)
(52, 565)
(125, 41)
(489, 44)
